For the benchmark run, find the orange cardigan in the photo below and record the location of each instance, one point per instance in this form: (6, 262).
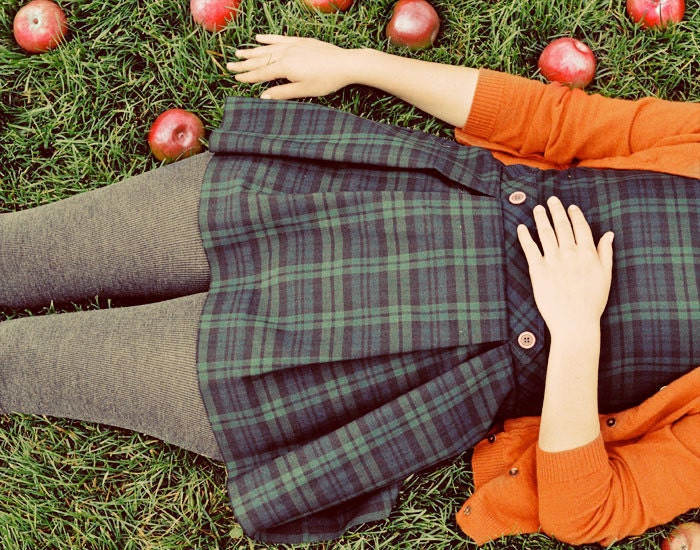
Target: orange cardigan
(643, 470)
(550, 126)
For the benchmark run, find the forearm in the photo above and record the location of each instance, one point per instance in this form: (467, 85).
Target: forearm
(314, 68)
(444, 91)
(570, 406)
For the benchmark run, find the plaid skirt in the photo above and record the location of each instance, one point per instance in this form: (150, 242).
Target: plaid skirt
(369, 297)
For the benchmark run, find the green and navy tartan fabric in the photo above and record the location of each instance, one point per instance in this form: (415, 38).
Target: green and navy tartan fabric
(367, 295)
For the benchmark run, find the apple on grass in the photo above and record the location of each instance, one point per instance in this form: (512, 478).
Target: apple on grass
(176, 134)
(39, 26)
(567, 61)
(414, 24)
(213, 15)
(328, 6)
(685, 536)
(656, 13)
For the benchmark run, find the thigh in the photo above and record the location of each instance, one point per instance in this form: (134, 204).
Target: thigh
(132, 367)
(138, 238)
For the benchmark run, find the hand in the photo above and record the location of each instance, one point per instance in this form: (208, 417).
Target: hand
(313, 68)
(571, 280)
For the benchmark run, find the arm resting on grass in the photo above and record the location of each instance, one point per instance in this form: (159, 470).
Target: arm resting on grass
(519, 116)
(314, 68)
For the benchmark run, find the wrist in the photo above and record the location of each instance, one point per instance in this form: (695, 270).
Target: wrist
(579, 346)
(364, 66)
(574, 332)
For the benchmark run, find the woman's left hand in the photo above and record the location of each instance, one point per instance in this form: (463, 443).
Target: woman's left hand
(570, 277)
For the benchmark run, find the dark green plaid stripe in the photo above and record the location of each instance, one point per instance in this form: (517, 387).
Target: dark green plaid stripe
(365, 305)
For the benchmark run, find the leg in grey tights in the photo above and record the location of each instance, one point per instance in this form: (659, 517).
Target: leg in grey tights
(138, 238)
(131, 367)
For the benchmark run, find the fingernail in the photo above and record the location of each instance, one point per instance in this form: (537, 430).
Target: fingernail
(265, 95)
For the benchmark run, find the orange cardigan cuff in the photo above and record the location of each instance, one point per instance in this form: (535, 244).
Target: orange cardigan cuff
(567, 466)
(489, 94)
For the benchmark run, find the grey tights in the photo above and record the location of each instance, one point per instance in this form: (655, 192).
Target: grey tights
(133, 367)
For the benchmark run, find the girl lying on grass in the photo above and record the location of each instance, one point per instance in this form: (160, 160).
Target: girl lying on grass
(329, 304)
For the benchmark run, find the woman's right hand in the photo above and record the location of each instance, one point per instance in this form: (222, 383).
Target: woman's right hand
(312, 67)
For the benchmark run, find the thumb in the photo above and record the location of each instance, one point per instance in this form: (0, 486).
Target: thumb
(605, 250)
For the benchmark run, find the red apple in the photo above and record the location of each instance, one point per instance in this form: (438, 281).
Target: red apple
(656, 13)
(176, 134)
(328, 6)
(39, 26)
(568, 61)
(214, 14)
(414, 24)
(685, 536)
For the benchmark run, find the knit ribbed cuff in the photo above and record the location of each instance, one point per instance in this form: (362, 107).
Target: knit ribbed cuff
(487, 103)
(574, 464)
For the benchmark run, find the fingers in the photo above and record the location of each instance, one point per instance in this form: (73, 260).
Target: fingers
(581, 230)
(292, 90)
(605, 251)
(252, 55)
(257, 63)
(529, 246)
(260, 73)
(271, 46)
(248, 65)
(268, 41)
(275, 39)
(567, 230)
(544, 230)
(562, 224)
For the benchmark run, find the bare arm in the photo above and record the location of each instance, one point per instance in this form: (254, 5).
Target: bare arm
(314, 68)
(571, 281)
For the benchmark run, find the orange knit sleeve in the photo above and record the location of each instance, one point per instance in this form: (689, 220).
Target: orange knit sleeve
(602, 494)
(527, 119)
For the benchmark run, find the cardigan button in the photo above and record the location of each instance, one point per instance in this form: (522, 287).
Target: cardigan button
(513, 472)
(518, 197)
(491, 438)
(467, 510)
(611, 422)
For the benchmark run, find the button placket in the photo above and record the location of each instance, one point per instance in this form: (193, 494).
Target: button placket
(525, 323)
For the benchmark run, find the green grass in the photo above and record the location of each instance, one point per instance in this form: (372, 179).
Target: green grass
(77, 118)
